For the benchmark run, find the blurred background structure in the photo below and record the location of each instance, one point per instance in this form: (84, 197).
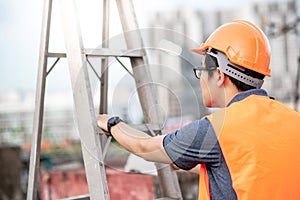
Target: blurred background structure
(171, 26)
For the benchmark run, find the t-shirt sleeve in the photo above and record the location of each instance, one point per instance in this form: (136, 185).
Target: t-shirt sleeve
(194, 144)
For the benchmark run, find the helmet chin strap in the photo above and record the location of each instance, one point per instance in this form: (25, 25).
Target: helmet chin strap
(225, 66)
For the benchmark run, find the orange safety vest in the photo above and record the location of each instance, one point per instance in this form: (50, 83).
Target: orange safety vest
(260, 141)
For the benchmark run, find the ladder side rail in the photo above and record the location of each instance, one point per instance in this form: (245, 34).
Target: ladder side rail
(147, 92)
(83, 103)
(34, 166)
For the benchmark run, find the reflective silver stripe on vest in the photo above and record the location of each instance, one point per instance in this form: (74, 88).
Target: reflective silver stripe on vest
(224, 65)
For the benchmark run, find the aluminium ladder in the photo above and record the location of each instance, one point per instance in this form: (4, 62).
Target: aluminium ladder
(92, 138)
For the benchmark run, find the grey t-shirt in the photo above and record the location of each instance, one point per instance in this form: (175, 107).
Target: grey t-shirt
(197, 143)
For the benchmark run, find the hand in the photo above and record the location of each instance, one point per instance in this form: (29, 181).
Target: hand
(102, 121)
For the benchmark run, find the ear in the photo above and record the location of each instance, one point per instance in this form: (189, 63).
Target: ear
(220, 77)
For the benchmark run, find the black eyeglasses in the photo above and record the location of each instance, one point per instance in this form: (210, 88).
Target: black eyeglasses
(198, 71)
(210, 63)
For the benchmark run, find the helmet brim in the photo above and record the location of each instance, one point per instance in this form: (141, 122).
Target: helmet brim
(198, 51)
(203, 48)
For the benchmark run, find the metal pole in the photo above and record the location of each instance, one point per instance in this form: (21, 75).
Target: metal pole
(104, 66)
(34, 166)
(83, 102)
(146, 91)
(285, 43)
(104, 61)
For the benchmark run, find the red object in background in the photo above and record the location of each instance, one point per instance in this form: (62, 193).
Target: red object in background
(69, 183)
(129, 186)
(62, 184)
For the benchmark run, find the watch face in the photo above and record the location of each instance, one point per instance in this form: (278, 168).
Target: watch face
(112, 122)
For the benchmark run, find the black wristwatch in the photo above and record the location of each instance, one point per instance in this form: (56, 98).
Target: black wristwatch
(112, 122)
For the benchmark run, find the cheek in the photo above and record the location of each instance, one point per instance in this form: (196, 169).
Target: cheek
(206, 96)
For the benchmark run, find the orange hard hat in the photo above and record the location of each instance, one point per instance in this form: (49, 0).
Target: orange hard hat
(244, 44)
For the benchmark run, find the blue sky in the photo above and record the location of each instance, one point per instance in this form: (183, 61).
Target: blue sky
(19, 39)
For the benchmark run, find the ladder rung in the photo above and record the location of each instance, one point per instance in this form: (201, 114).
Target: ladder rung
(56, 55)
(104, 52)
(113, 52)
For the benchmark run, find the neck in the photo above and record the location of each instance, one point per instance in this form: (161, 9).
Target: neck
(230, 92)
(230, 95)
(225, 95)
(223, 92)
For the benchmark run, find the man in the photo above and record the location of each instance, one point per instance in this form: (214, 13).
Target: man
(249, 148)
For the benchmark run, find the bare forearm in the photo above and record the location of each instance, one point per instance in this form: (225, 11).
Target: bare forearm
(141, 144)
(130, 138)
(137, 142)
